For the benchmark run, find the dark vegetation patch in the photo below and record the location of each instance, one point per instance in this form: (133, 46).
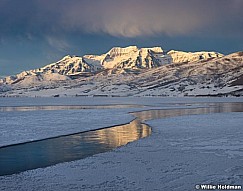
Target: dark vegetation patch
(238, 81)
(240, 53)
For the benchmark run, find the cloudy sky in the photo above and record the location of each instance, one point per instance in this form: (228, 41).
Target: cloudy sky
(34, 33)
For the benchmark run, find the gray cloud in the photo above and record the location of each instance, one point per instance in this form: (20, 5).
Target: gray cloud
(126, 18)
(60, 44)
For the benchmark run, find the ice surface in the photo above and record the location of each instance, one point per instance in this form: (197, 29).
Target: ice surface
(180, 153)
(17, 127)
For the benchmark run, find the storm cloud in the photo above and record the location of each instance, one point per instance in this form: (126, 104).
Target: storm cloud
(126, 18)
(34, 33)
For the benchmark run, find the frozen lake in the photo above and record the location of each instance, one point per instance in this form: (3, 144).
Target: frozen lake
(34, 120)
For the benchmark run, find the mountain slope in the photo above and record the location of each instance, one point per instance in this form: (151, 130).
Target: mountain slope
(133, 72)
(203, 77)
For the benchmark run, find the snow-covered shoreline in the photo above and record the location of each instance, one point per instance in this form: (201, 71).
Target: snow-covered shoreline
(181, 152)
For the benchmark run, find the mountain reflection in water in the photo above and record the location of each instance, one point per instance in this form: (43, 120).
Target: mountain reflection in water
(211, 108)
(64, 107)
(22, 157)
(115, 137)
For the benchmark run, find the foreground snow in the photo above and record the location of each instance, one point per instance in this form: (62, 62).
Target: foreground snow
(180, 153)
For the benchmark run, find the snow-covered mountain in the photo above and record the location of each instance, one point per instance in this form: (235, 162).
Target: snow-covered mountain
(180, 56)
(132, 71)
(131, 58)
(119, 60)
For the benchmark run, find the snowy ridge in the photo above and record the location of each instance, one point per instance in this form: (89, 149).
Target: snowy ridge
(133, 72)
(180, 56)
(67, 66)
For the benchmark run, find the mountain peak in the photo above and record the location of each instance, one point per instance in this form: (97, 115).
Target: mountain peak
(133, 58)
(119, 51)
(156, 49)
